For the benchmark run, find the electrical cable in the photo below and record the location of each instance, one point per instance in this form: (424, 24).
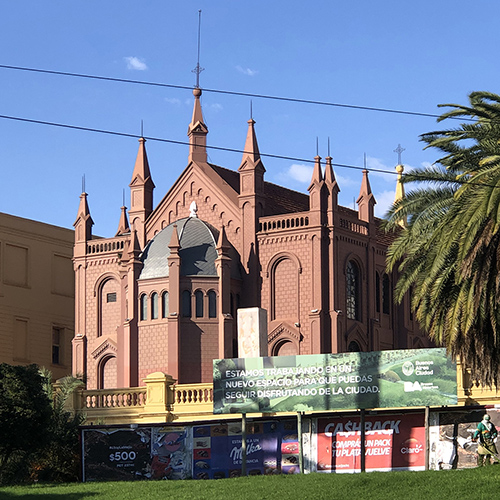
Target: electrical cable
(217, 148)
(230, 92)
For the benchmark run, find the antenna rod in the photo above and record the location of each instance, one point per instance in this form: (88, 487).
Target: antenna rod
(198, 68)
(328, 146)
(83, 183)
(123, 196)
(142, 128)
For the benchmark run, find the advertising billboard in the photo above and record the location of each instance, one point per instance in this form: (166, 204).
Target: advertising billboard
(392, 442)
(127, 454)
(321, 382)
(272, 448)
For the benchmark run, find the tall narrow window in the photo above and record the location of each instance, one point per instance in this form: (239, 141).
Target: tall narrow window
(57, 334)
(212, 304)
(198, 299)
(377, 292)
(144, 307)
(154, 306)
(164, 305)
(386, 295)
(186, 304)
(352, 290)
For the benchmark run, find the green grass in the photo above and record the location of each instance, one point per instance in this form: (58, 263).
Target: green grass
(473, 484)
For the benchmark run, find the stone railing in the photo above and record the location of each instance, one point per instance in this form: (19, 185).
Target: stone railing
(161, 400)
(106, 245)
(117, 398)
(470, 393)
(355, 227)
(281, 222)
(193, 398)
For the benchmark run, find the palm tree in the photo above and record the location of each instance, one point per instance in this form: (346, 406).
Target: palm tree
(449, 252)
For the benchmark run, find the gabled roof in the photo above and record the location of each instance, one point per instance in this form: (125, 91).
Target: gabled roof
(279, 200)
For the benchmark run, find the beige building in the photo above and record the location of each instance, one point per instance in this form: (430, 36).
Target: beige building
(36, 294)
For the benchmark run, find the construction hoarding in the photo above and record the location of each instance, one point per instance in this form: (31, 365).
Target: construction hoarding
(321, 382)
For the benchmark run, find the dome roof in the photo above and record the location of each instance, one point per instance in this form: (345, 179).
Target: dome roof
(197, 250)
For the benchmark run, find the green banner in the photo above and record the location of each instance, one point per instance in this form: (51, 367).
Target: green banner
(318, 382)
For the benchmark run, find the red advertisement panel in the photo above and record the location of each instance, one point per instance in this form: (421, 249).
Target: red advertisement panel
(392, 442)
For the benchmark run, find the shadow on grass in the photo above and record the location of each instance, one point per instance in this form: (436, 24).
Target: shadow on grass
(34, 494)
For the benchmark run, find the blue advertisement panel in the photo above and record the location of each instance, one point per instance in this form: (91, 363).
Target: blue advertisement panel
(272, 448)
(322, 382)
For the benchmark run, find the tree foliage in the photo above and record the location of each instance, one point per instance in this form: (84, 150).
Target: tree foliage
(449, 252)
(38, 436)
(25, 414)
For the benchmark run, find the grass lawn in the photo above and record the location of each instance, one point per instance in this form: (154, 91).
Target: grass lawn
(473, 484)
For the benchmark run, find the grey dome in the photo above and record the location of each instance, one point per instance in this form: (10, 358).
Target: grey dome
(197, 250)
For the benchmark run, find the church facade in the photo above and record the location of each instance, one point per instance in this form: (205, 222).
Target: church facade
(162, 295)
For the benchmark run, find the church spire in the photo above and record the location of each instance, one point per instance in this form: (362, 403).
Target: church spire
(251, 151)
(83, 224)
(400, 192)
(197, 132)
(123, 226)
(366, 200)
(141, 193)
(317, 175)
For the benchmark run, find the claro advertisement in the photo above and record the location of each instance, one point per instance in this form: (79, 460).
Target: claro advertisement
(422, 377)
(392, 442)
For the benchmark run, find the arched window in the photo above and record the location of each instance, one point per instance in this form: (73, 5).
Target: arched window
(212, 304)
(353, 347)
(164, 305)
(186, 304)
(352, 291)
(198, 300)
(377, 292)
(386, 295)
(144, 307)
(154, 306)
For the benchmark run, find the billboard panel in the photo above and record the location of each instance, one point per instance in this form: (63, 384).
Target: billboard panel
(412, 377)
(127, 454)
(392, 442)
(272, 448)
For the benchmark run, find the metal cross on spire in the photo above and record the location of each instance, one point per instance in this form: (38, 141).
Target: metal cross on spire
(399, 150)
(198, 68)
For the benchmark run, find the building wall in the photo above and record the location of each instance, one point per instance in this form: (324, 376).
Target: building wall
(36, 294)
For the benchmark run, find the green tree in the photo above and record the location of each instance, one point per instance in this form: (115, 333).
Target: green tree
(449, 252)
(60, 459)
(25, 415)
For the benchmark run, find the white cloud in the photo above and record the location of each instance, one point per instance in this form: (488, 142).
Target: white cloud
(135, 63)
(247, 71)
(173, 100)
(300, 173)
(216, 106)
(354, 180)
(384, 200)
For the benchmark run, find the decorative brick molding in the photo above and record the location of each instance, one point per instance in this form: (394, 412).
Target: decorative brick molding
(108, 346)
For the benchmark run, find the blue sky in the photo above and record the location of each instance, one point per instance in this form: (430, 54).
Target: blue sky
(387, 54)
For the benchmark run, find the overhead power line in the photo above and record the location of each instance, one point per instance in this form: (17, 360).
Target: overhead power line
(217, 148)
(182, 143)
(230, 92)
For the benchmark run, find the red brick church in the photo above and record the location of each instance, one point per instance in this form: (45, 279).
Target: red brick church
(162, 294)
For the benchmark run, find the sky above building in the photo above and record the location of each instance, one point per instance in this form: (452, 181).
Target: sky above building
(407, 56)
